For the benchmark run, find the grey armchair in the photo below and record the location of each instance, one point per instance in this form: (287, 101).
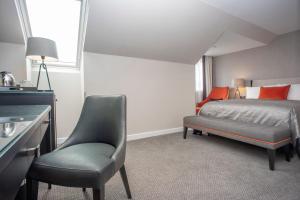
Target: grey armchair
(93, 153)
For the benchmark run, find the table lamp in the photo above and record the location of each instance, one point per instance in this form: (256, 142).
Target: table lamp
(41, 49)
(237, 83)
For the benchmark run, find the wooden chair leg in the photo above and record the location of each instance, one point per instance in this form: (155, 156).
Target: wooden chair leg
(49, 186)
(125, 181)
(271, 154)
(99, 194)
(32, 188)
(287, 152)
(185, 129)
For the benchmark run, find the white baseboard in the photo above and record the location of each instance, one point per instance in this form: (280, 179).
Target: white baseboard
(138, 136)
(61, 140)
(148, 134)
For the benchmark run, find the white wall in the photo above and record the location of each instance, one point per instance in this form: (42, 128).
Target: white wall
(67, 87)
(12, 59)
(159, 94)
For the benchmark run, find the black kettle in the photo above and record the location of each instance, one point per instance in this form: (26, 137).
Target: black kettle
(7, 79)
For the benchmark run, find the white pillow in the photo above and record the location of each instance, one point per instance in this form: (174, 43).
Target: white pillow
(278, 85)
(294, 92)
(252, 92)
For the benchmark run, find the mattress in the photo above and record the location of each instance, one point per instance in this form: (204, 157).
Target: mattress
(264, 112)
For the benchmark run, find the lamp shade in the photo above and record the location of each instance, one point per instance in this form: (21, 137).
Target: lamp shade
(239, 82)
(38, 47)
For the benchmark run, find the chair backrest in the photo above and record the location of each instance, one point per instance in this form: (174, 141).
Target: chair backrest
(102, 119)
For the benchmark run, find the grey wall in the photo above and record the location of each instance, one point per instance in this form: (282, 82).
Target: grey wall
(12, 59)
(279, 59)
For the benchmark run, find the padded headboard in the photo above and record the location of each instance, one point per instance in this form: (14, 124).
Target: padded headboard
(265, 82)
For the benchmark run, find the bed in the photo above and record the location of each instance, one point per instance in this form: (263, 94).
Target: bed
(270, 124)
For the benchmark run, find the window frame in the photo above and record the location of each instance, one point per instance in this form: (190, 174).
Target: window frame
(26, 30)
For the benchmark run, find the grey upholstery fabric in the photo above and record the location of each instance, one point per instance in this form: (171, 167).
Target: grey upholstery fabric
(265, 136)
(94, 152)
(264, 112)
(82, 165)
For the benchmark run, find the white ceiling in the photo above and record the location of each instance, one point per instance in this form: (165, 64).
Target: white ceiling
(10, 29)
(174, 30)
(171, 30)
(231, 42)
(277, 16)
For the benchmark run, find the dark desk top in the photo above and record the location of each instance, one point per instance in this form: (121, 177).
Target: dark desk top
(25, 92)
(16, 120)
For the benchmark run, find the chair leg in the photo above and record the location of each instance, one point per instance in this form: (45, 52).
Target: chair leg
(125, 181)
(49, 186)
(32, 188)
(99, 194)
(287, 152)
(185, 129)
(271, 154)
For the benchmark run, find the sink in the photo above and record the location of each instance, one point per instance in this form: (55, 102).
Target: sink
(8, 124)
(7, 129)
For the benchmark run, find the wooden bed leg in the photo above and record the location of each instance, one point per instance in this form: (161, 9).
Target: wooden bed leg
(292, 151)
(297, 147)
(197, 132)
(200, 132)
(287, 152)
(185, 129)
(271, 154)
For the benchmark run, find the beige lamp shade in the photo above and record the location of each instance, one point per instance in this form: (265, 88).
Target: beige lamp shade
(239, 82)
(38, 47)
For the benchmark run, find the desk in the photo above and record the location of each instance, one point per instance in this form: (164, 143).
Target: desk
(17, 97)
(22, 129)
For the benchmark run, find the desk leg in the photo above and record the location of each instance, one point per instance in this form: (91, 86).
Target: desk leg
(32, 188)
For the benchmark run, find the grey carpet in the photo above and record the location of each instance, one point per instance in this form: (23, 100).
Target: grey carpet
(199, 168)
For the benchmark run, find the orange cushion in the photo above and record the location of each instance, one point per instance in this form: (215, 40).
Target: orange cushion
(274, 93)
(218, 93)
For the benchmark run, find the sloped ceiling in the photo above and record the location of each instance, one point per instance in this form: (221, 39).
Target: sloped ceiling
(174, 30)
(10, 28)
(277, 16)
(231, 42)
(170, 30)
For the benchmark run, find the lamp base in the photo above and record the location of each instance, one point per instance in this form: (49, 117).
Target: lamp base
(43, 65)
(237, 93)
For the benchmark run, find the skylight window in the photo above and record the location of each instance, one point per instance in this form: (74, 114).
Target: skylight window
(58, 20)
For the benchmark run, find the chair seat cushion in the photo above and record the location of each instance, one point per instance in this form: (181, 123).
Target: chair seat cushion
(81, 165)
